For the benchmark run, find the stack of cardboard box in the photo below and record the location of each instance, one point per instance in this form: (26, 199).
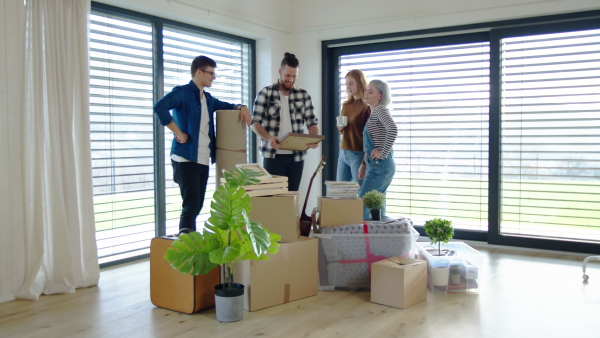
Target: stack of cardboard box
(292, 272)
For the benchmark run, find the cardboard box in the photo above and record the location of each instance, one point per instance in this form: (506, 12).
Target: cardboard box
(279, 214)
(173, 290)
(334, 212)
(289, 275)
(399, 282)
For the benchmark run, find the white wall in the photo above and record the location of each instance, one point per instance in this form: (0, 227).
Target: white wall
(278, 26)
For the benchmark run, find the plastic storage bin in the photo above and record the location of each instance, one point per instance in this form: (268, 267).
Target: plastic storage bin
(458, 271)
(345, 260)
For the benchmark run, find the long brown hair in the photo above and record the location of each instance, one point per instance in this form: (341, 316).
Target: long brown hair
(361, 82)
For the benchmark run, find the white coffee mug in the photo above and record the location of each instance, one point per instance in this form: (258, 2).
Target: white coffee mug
(342, 121)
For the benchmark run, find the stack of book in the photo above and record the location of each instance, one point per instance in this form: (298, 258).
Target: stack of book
(337, 189)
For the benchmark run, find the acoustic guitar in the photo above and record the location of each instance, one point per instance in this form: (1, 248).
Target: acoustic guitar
(305, 220)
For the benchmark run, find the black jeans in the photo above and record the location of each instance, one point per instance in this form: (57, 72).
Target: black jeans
(284, 165)
(192, 178)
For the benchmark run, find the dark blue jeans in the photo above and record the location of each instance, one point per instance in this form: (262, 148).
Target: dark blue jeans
(284, 165)
(192, 178)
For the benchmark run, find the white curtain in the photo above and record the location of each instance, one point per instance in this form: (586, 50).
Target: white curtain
(60, 247)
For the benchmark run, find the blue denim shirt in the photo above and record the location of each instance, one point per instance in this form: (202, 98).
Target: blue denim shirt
(184, 101)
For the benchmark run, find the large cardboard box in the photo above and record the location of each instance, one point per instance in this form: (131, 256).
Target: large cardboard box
(334, 212)
(279, 214)
(173, 290)
(399, 282)
(289, 275)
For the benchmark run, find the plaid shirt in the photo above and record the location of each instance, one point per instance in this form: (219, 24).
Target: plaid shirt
(266, 112)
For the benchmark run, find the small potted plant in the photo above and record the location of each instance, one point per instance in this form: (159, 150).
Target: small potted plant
(439, 230)
(374, 201)
(229, 238)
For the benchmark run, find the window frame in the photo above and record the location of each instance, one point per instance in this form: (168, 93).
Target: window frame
(158, 24)
(493, 32)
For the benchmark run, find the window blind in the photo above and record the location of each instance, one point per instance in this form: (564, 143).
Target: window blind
(181, 46)
(550, 165)
(121, 133)
(440, 102)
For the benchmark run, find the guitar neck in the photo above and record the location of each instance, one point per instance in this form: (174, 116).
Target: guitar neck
(303, 215)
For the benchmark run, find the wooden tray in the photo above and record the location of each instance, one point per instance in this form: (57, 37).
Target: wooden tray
(297, 141)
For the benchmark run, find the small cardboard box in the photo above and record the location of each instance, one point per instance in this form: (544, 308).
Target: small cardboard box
(399, 282)
(289, 275)
(279, 214)
(334, 212)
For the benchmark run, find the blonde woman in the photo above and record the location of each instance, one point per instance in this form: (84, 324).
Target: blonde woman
(357, 113)
(378, 167)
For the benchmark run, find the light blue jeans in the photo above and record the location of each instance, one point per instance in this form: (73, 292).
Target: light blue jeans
(348, 164)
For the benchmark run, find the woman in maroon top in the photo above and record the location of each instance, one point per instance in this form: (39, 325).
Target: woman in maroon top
(357, 113)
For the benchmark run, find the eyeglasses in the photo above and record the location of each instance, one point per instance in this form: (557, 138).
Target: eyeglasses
(213, 74)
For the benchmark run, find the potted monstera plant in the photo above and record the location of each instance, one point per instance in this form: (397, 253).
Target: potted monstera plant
(229, 237)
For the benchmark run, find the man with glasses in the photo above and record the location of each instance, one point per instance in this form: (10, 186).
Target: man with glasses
(194, 143)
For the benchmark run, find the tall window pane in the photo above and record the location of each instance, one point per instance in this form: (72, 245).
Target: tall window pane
(121, 132)
(551, 136)
(440, 102)
(126, 80)
(231, 85)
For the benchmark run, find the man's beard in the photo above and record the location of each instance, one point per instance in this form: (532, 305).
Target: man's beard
(287, 85)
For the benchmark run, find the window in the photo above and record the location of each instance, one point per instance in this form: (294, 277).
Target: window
(440, 102)
(135, 59)
(550, 136)
(498, 134)
(231, 85)
(121, 101)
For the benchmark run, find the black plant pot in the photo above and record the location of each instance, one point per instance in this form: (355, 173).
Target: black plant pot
(376, 214)
(229, 304)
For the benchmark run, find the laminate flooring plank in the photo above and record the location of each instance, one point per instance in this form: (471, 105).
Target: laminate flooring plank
(523, 293)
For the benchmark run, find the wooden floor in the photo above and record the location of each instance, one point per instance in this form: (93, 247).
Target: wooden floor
(523, 294)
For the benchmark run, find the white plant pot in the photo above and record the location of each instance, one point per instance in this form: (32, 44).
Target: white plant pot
(440, 276)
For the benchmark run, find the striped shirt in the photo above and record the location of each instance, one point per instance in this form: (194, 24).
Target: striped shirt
(383, 130)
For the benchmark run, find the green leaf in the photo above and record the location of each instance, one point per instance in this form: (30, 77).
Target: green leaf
(189, 254)
(225, 255)
(242, 176)
(259, 238)
(227, 205)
